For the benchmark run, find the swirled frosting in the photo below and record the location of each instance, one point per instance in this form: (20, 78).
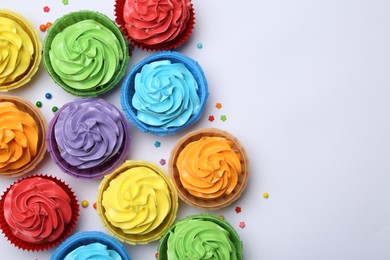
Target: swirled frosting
(165, 94)
(94, 251)
(199, 239)
(18, 137)
(85, 55)
(209, 167)
(156, 21)
(16, 52)
(137, 201)
(37, 210)
(89, 132)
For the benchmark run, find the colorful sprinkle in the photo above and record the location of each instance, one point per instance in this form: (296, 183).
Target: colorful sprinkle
(156, 255)
(163, 162)
(42, 28)
(48, 24)
(84, 203)
(95, 205)
(238, 210)
(211, 118)
(218, 105)
(221, 217)
(199, 45)
(38, 104)
(54, 109)
(265, 195)
(223, 118)
(65, 2)
(157, 144)
(242, 224)
(48, 96)
(46, 9)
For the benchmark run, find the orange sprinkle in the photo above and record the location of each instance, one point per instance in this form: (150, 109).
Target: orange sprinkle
(48, 24)
(94, 205)
(42, 28)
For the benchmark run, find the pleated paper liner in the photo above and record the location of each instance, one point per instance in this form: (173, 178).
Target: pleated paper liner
(224, 200)
(179, 40)
(26, 106)
(69, 19)
(37, 45)
(163, 246)
(88, 237)
(134, 239)
(91, 173)
(21, 244)
(128, 90)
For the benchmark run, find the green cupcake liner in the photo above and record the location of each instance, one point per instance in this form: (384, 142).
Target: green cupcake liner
(69, 19)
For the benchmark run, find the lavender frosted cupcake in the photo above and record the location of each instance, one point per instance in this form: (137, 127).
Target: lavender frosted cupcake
(88, 138)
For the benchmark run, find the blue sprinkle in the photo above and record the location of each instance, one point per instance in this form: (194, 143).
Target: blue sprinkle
(199, 45)
(48, 96)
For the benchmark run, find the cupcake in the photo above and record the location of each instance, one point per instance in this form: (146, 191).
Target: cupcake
(88, 138)
(85, 53)
(209, 168)
(155, 25)
(164, 93)
(22, 136)
(90, 245)
(137, 202)
(21, 50)
(201, 236)
(38, 212)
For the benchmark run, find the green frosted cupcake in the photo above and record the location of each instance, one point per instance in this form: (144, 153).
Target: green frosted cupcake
(85, 53)
(198, 237)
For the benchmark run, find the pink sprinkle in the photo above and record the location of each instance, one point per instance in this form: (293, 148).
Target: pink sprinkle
(163, 162)
(242, 224)
(46, 9)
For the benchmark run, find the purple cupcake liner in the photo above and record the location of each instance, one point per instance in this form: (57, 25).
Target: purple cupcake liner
(94, 172)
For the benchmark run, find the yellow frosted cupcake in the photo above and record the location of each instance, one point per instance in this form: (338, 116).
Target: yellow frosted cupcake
(20, 50)
(137, 202)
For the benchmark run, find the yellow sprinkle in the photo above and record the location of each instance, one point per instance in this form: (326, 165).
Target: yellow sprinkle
(84, 203)
(221, 217)
(265, 195)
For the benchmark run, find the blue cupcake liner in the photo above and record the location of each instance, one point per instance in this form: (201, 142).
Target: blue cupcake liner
(128, 91)
(86, 238)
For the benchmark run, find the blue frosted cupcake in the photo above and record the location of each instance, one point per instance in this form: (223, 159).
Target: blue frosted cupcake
(90, 245)
(164, 93)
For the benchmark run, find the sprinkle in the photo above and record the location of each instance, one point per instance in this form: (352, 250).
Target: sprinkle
(94, 205)
(242, 224)
(65, 2)
(54, 109)
(84, 203)
(38, 104)
(211, 118)
(238, 210)
(48, 96)
(221, 217)
(42, 28)
(163, 162)
(223, 118)
(199, 45)
(218, 105)
(156, 255)
(157, 144)
(46, 9)
(48, 24)
(265, 195)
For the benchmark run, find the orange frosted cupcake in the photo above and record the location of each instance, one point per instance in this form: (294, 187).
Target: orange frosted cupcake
(22, 132)
(209, 168)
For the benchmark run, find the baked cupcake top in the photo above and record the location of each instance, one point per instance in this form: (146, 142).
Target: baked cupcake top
(20, 50)
(152, 23)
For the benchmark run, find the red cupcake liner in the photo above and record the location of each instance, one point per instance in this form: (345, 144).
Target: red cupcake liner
(179, 40)
(21, 244)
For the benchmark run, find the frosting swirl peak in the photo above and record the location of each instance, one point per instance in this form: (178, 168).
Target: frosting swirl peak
(94, 251)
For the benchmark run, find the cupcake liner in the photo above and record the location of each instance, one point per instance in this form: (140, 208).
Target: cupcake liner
(224, 200)
(128, 91)
(86, 238)
(134, 239)
(42, 246)
(179, 40)
(33, 111)
(37, 56)
(163, 247)
(94, 172)
(59, 25)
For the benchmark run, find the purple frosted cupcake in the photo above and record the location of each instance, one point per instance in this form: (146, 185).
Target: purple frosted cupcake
(88, 138)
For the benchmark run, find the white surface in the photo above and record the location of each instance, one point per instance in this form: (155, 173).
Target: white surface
(305, 87)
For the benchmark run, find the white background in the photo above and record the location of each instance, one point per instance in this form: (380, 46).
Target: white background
(305, 87)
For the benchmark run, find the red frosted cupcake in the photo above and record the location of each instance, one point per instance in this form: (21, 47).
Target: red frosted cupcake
(38, 212)
(155, 24)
